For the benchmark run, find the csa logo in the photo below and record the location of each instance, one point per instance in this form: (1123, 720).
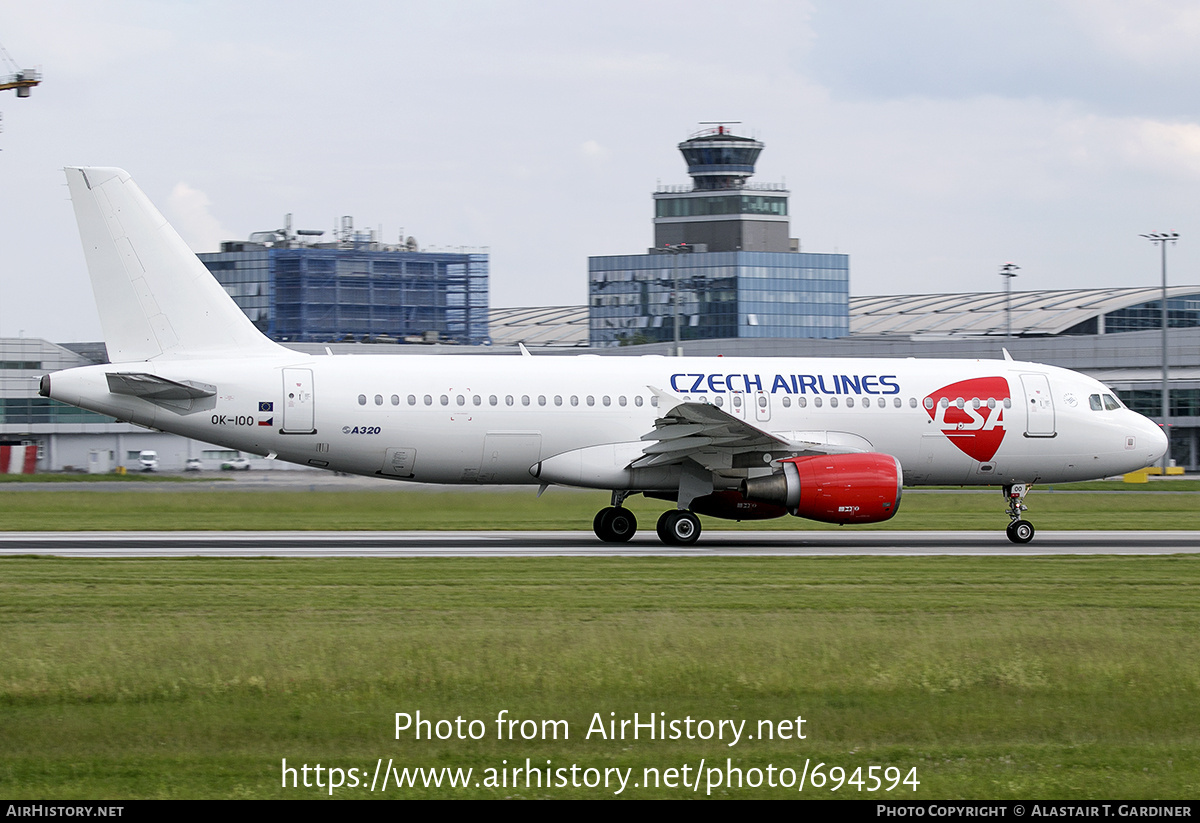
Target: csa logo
(977, 432)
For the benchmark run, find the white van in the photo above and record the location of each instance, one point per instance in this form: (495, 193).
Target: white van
(148, 460)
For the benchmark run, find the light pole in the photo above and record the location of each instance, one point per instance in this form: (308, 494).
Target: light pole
(1008, 271)
(1162, 238)
(676, 249)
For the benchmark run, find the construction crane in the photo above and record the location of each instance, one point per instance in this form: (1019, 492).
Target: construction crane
(21, 79)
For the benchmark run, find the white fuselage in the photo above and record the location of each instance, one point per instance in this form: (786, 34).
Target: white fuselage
(493, 419)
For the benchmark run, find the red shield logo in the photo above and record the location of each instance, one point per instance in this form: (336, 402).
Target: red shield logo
(971, 414)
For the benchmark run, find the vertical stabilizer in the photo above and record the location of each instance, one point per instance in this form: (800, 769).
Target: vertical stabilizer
(155, 298)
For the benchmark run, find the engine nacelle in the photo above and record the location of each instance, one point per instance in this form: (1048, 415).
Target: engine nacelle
(834, 488)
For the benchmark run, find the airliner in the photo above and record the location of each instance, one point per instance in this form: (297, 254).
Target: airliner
(830, 439)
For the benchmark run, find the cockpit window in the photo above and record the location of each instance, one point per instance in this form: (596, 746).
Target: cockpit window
(1094, 402)
(1111, 402)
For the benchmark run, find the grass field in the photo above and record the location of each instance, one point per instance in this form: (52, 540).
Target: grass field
(992, 677)
(404, 509)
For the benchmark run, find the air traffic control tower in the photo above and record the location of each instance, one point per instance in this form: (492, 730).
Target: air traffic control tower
(725, 242)
(721, 210)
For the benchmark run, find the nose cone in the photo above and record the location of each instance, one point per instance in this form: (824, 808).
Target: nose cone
(1155, 439)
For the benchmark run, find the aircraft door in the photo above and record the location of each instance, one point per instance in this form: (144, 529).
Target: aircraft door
(298, 402)
(1039, 406)
(762, 406)
(737, 404)
(507, 456)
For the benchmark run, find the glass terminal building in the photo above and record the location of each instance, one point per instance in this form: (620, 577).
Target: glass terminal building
(354, 289)
(722, 245)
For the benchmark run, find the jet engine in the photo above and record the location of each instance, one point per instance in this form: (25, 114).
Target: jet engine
(834, 488)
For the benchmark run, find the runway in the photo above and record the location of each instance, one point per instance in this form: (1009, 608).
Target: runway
(584, 544)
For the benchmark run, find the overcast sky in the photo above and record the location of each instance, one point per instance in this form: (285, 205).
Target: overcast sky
(931, 140)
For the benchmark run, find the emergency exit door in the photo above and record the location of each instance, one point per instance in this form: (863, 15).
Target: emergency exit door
(298, 401)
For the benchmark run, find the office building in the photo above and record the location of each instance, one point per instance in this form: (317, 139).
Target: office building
(354, 288)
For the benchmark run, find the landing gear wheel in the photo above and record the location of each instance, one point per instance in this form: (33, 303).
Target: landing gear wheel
(1019, 531)
(615, 525)
(678, 528)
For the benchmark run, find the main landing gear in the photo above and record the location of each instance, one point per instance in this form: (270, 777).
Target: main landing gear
(678, 528)
(616, 524)
(1018, 531)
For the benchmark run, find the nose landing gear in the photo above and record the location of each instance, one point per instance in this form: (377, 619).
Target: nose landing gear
(1018, 531)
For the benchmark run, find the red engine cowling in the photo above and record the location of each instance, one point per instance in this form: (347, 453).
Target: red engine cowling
(835, 488)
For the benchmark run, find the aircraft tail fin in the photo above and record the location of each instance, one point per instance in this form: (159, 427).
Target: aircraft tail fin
(155, 298)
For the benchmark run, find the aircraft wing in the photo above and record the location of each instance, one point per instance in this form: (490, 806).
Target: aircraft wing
(714, 438)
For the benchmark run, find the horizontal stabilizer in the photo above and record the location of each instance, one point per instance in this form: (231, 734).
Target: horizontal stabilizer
(153, 387)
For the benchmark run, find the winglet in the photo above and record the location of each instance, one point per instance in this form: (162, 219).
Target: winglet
(524, 351)
(1007, 356)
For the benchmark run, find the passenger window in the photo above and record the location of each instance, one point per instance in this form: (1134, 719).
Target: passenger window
(621, 400)
(395, 400)
(508, 399)
(558, 399)
(445, 401)
(817, 402)
(762, 401)
(606, 400)
(428, 400)
(379, 400)
(574, 400)
(637, 401)
(541, 399)
(720, 400)
(362, 400)
(460, 400)
(591, 401)
(850, 402)
(833, 402)
(477, 400)
(787, 402)
(412, 400)
(1094, 402)
(912, 403)
(1008, 402)
(493, 400)
(654, 401)
(737, 401)
(524, 400)
(801, 401)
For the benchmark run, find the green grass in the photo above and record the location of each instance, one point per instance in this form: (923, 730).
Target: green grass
(993, 677)
(402, 509)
